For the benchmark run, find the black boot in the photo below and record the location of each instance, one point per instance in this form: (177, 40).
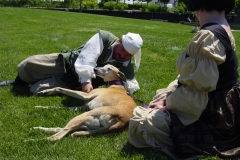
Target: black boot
(6, 83)
(17, 81)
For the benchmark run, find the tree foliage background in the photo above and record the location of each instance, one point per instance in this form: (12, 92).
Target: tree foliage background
(105, 4)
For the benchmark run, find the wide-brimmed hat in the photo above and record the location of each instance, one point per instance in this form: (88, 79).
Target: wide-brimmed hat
(133, 42)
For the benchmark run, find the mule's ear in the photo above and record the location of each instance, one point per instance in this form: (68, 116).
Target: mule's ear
(121, 76)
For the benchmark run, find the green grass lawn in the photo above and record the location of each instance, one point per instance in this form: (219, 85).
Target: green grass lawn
(25, 32)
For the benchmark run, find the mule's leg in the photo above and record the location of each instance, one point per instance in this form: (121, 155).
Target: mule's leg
(57, 129)
(114, 128)
(57, 90)
(76, 108)
(46, 107)
(83, 133)
(107, 123)
(78, 122)
(117, 127)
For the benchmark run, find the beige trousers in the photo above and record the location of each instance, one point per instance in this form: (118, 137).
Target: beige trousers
(42, 71)
(149, 127)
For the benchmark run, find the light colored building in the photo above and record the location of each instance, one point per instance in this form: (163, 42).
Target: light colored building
(170, 4)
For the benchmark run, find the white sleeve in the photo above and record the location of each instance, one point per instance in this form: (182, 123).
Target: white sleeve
(198, 75)
(88, 57)
(132, 85)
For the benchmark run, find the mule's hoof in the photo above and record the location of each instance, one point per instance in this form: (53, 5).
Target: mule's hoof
(53, 138)
(41, 93)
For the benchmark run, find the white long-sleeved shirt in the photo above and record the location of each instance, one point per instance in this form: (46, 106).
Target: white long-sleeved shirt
(87, 60)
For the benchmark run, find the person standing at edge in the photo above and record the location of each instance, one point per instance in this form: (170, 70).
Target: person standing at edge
(199, 112)
(196, 22)
(72, 69)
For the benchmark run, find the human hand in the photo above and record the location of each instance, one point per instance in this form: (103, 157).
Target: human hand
(87, 87)
(157, 106)
(161, 104)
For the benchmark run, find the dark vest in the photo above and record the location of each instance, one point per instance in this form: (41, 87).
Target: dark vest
(108, 39)
(228, 71)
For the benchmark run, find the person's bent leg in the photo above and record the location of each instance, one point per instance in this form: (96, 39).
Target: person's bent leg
(39, 67)
(48, 83)
(149, 127)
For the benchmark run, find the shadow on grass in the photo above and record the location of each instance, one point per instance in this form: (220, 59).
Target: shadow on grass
(148, 153)
(73, 102)
(23, 90)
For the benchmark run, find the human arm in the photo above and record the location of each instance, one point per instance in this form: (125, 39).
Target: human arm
(198, 70)
(132, 83)
(159, 100)
(87, 60)
(160, 104)
(87, 87)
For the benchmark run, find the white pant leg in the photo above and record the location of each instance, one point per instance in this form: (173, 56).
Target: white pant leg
(48, 83)
(149, 128)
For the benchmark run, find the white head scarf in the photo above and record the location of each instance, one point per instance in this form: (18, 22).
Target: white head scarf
(133, 42)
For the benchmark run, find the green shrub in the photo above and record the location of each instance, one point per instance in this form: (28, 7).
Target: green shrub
(91, 4)
(75, 4)
(153, 7)
(180, 8)
(135, 6)
(109, 5)
(144, 8)
(121, 6)
(170, 10)
(46, 4)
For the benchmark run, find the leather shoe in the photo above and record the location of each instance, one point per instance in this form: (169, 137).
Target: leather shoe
(7, 83)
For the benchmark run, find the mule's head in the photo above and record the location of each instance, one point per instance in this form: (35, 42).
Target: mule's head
(109, 73)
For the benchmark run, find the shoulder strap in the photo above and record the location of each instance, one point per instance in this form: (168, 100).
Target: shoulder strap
(108, 39)
(220, 33)
(228, 71)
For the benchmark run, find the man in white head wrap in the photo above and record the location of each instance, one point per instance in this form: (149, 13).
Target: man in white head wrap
(75, 69)
(132, 43)
(122, 50)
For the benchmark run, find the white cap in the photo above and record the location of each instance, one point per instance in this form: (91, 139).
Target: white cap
(133, 42)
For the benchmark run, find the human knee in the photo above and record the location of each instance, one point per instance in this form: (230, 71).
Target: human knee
(34, 90)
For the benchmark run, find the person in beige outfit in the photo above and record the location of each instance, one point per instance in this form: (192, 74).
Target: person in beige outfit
(199, 112)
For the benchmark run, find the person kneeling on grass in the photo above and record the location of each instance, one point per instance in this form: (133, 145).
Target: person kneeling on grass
(75, 69)
(199, 112)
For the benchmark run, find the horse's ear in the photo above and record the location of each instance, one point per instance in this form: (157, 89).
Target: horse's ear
(121, 76)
